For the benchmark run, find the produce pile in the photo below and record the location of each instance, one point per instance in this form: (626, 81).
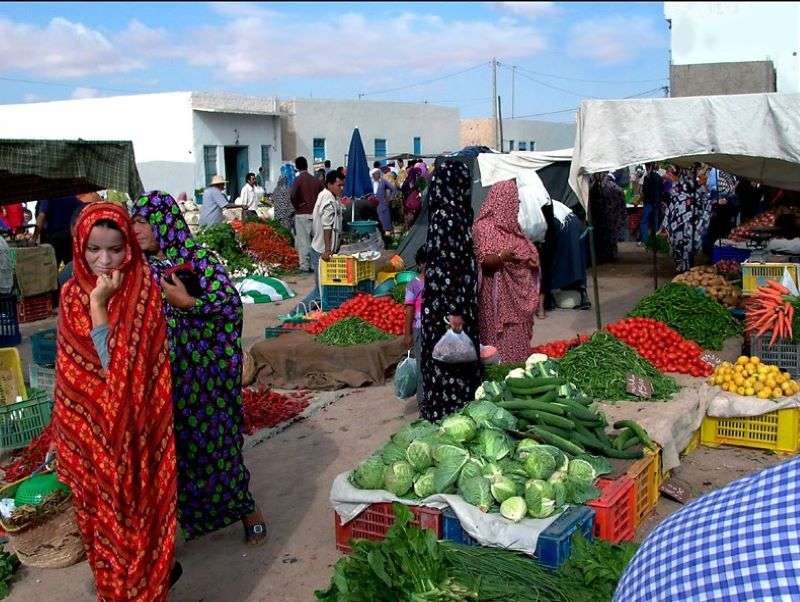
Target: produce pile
(247, 248)
(728, 267)
(381, 312)
(749, 377)
(29, 459)
(221, 238)
(773, 309)
(351, 331)
(399, 293)
(264, 408)
(268, 246)
(601, 367)
(663, 347)
(558, 349)
(9, 564)
(410, 564)
(714, 285)
(742, 232)
(694, 315)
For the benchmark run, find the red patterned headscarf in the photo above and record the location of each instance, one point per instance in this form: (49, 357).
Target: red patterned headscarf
(114, 428)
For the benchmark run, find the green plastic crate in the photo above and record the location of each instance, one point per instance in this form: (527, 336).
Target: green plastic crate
(23, 421)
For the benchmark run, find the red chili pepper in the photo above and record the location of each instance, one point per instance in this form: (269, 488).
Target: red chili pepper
(264, 408)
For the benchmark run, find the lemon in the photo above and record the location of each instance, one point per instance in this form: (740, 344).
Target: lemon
(740, 391)
(755, 360)
(774, 369)
(762, 369)
(750, 369)
(763, 394)
(776, 392)
(742, 359)
(749, 391)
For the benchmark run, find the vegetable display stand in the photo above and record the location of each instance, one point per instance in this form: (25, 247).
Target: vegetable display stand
(43, 347)
(554, 545)
(784, 354)
(615, 510)
(756, 274)
(729, 253)
(777, 431)
(374, 522)
(33, 309)
(12, 383)
(23, 421)
(343, 270)
(334, 295)
(9, 321)
(646, 477)
(42, 377)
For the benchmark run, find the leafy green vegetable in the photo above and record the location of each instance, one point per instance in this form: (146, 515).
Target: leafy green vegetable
(514, 508)
(579, 491)
(539, 505)
(419, 455)
(369, 474)
(351, 331)
(492, 444)
(600, 464)
(540, 463)
(524, 447)
(503, 419)
(399, 478)
(449, 462)
(596, 566)
(459, 428)
(498, 372)
(419, 429)
(477, 491)
(424, 486)
(504, 488)
(582, 470)
(391, 453)
(9, 564)
(481, 412)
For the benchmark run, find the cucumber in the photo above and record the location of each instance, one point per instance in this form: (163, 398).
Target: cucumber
(639, 431)
(589, 442)
(578, 411)
(631, 442)
(531, 383)
(600, 433)
(522, 424)
(555, 430)
(610, 452)
(546, 418)
(518, 390)
(518, 405)
(547, 437)
(622, 438)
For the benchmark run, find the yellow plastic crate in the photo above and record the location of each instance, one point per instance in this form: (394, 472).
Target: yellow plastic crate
(12, 383)
(343, 270)
(694, 443)
(755, 274)
(777, 431)
(646, 477)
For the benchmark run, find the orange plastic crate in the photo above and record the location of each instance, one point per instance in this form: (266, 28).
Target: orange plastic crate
(615, 510)
(645, 474)
(374, 522)
(33, 309)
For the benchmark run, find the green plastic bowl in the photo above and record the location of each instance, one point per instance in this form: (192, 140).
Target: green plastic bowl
(385, 288)
(364, 226)
(405, 277)
(34, 489)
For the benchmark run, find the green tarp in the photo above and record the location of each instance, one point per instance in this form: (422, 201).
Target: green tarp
(32, 170)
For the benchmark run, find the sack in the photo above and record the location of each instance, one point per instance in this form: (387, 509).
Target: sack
(405, 378)
(455, 348)
(532, 196)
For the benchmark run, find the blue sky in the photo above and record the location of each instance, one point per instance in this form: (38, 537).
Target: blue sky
(564, 51)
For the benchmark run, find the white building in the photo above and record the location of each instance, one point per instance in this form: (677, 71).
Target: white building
(320, 129)
(704, 33)
(518, 134)
(181, 139)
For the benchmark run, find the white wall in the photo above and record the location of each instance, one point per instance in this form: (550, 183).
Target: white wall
(720, 32)
(159, 125)
(217, 129)
(397, 123)
(547, 135)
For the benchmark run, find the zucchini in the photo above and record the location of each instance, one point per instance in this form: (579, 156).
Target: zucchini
(547, 437)
(639, 431)
(546, 418)
(518, 405)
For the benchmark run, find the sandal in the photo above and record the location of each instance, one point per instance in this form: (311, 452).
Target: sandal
(256, 534)
(175, 574)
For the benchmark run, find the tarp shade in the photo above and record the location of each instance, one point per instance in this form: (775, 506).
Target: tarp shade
(32, 170)
(755, 136)
(357, 183)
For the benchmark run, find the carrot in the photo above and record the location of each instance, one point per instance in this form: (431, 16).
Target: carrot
(778, 287)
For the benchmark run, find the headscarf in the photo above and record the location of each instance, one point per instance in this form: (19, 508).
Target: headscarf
(114, 429)
(373, 171)
(512, 292)
(281, 200)
(169, 226)
(288, 172)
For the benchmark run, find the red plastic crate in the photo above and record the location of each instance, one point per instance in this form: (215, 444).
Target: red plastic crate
(374, 522)
(33, 309)
(615, 511)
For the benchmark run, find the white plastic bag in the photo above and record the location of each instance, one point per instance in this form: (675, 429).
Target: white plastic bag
(532, 196)
(789, 283)
(405, 378)
(455, 348)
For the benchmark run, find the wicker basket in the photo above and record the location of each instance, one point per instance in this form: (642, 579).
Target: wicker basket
(53, 544)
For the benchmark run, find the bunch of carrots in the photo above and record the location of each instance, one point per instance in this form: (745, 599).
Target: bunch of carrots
(771, 310)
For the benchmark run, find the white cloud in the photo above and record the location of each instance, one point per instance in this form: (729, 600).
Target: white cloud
(614, 39)
(31, 98)
(82, 92)
(528, 9)
(60, 49)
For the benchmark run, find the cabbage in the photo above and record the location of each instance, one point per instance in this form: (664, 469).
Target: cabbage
(540, 463)
(557, 477)
(413, 431)
(536, 358)
(579, 491)
(503, 419)
(458, 428)
(539, 506)
(481, 412)
(600, 464)
(423, 486)
(559, 493)
(492, 471)
(492, 444)
(419, 455)
(478, 492)
(391, 453)
(562, 460)
(514, 508)
(480, 394)
(582, 470)
(369, 474)
(517, 373)
(544, 488)
(511, 467)
(473, 468)
(398, 478)
(449, 462)
(524, 447)
(503, 488)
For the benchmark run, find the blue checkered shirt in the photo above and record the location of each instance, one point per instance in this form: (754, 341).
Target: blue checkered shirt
(739, 543)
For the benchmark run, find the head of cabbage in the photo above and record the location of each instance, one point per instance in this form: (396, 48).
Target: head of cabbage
(524, 447)
(581, 470)
(504, 488)
(514, 508)
(398, 478)
(419, 455)
(423, 486)
(369, 474)
(391, 453)
(478, 492)
(540, 463)
(413, 431)
(492, 444)
(539, 505)
(458, 428)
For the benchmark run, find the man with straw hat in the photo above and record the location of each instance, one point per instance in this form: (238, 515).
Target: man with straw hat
(214, 201)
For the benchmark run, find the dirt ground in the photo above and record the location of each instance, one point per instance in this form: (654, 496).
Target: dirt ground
(292, 473)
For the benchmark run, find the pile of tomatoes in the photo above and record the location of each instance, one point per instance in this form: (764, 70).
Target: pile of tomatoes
(558, 349)
(264, 408)
(381, 312)
(662, 346)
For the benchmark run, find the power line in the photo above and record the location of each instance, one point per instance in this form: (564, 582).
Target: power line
(422, 83)
(663, 89)
(546, 85)
(61, 85)
(591, 81)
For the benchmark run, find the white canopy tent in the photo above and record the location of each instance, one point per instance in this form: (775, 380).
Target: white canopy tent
(497, 167)
(756, 136)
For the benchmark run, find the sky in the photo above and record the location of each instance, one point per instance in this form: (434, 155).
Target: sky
(437, 52)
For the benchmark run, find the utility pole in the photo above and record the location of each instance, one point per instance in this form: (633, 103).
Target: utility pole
(513, 88)
(494, 103)
(500, 116)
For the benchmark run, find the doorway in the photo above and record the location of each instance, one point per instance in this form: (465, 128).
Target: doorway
(237, 164)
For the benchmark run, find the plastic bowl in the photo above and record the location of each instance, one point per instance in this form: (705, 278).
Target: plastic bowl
(406, 277)
(366, 226)
(384, 288)
(34, 489)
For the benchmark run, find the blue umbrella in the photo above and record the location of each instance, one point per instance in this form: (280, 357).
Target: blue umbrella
(357, 183)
